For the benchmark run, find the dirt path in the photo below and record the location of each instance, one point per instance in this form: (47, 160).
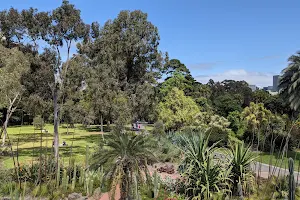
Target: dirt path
(105, 196)
(152, 169)
(164, 175)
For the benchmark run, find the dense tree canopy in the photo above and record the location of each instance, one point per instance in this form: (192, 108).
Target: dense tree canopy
(13, 64)
(118, 75)
(177, 110)
(125, 59)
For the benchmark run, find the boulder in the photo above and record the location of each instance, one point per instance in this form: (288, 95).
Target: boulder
(75, 196)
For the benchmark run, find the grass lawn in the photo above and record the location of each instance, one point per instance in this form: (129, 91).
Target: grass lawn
(265, 158)
(30, 142)
(29, 147)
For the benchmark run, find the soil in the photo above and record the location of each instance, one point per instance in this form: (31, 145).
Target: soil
(152, 169)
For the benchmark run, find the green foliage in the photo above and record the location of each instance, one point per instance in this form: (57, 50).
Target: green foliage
(261, 96)
(214, 125)
(177, 110)
(291, 180)
(165, 150)
(13, 65)
(289, 82)
(122, 111)
(240, 164)
(132, 69)
(274, 188)
(74, 179)
(158, 128)
(237, 124)
(203, 176)
(127, 156)
(156, 184)
(37, 83)
(38, 123)
(225, 104)
(256, 116)
(175, 66)
(40, 191)
(114, 77)
(239, 91)
(177, 80)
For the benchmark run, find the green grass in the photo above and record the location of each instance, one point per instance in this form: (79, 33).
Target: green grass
(265, 158)
(30, 142)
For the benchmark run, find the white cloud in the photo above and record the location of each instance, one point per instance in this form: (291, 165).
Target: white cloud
(253, 78)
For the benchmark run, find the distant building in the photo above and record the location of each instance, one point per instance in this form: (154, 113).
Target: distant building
(275, 83)
(269, 88)
(253, 87)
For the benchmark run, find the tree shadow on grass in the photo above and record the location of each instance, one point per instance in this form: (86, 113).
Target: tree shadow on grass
(95, 128)
(25, 138)
(33, 151)
(36, 152)
(90, 139)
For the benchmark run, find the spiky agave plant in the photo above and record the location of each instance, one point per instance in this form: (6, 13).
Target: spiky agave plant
(202, 175)
(241, 172)
(127, 154)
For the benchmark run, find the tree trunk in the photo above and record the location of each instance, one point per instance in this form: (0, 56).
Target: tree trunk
(101, 123)
(59, 87)
(56, 122)
(5, 130)
(125, 185)
(240, 191)
(102, 128)
(9, 113)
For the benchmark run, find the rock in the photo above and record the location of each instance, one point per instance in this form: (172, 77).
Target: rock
(75, 196)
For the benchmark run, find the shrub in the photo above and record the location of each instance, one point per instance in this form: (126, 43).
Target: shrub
(32, 173)
(38, 123)
(199, 169)
(40, 191)
(158, 128)
(218, 135)
(166, 151)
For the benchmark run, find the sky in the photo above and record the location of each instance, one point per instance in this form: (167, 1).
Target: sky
(216, 39)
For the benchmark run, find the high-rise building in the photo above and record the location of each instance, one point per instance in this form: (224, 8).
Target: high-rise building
(275, 83)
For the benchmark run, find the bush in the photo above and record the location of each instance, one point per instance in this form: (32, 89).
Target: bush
(217, 135)
(38, 123)
(166, 151)
(158, 128)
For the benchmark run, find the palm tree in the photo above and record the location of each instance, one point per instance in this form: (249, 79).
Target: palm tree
(203, 176)
(241, 174)
(289, 83)
(127, 154)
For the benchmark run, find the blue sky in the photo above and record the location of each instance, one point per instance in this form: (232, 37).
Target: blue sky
(217, 39)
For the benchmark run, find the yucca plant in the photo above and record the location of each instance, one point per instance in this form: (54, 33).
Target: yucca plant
(203, 176)
(241, 159)
(127, 154)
